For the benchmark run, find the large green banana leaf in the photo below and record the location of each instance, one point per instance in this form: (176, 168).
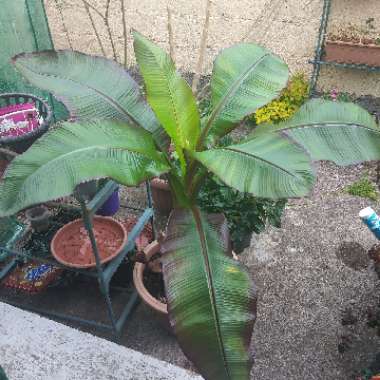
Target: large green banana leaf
(168, 94)
(245, 77)
(211, 297)
(90, 87)
(340, 132)
(266, 166)
(78, 152)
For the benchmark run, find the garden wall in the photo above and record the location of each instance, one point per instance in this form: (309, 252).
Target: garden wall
(288, 27)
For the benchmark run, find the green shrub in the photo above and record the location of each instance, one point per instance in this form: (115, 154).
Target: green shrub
(245, 213)
(290, 100)
(363, 188)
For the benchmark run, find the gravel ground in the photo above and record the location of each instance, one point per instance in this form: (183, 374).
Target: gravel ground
(311, 274)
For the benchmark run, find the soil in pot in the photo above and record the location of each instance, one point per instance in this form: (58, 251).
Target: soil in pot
(71, 245)
(154, 283)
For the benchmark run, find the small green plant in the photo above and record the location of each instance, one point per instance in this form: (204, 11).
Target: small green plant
(337, 96)
(363, 188)
(245, 213)
(289, 102)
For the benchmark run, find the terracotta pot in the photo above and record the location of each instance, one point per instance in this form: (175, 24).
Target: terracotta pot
(160, 308)
(71, 245)
(352, 53)
(146, 236)
(162, 196)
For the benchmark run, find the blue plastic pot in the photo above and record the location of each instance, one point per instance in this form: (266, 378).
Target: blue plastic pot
(111, 205)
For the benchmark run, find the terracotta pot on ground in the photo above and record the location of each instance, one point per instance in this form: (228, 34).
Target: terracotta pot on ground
(352, 53)
(162, 196)
(160, 308)
(71, 245)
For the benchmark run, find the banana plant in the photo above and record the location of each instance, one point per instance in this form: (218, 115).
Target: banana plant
(114, 133)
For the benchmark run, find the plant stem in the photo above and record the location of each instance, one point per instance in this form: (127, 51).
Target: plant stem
(87, 7)
(202, 49)
(59, 8)
(106, 22)
(171, 35)
(125, 32)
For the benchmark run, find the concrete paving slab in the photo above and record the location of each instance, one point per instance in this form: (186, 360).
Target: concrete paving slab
(36, 348)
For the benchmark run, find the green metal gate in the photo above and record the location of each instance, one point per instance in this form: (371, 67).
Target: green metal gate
(23, 28)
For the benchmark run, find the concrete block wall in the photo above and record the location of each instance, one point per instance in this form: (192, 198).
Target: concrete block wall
(288, 27)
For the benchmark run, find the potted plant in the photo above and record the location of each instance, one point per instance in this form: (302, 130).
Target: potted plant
(23, 119)
(245, 213)
(354, 45)
(147, 278)
(211, 297)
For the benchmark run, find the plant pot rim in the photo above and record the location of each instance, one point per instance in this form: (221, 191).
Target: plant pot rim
(41, 128)
(61, 231)
(44, 213)
(160, 183)
(351, 43)
(138, 280)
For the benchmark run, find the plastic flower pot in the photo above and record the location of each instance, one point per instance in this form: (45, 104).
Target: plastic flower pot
(31, 116)
(243, 243)
(111, 205)
(71, 245)
(39, 218)
(88, 189)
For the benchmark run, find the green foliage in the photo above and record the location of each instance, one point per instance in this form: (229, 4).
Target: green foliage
(363, 188)
(338, 96)
(245, 77)
(245, 214)
(3, 376)
(288, 170)
(228, 335)
(338, 132)
(211, 301)
(290, 100)
(78, 152)
(169, 96)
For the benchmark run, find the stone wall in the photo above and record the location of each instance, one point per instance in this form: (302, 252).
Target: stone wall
(288, 27)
